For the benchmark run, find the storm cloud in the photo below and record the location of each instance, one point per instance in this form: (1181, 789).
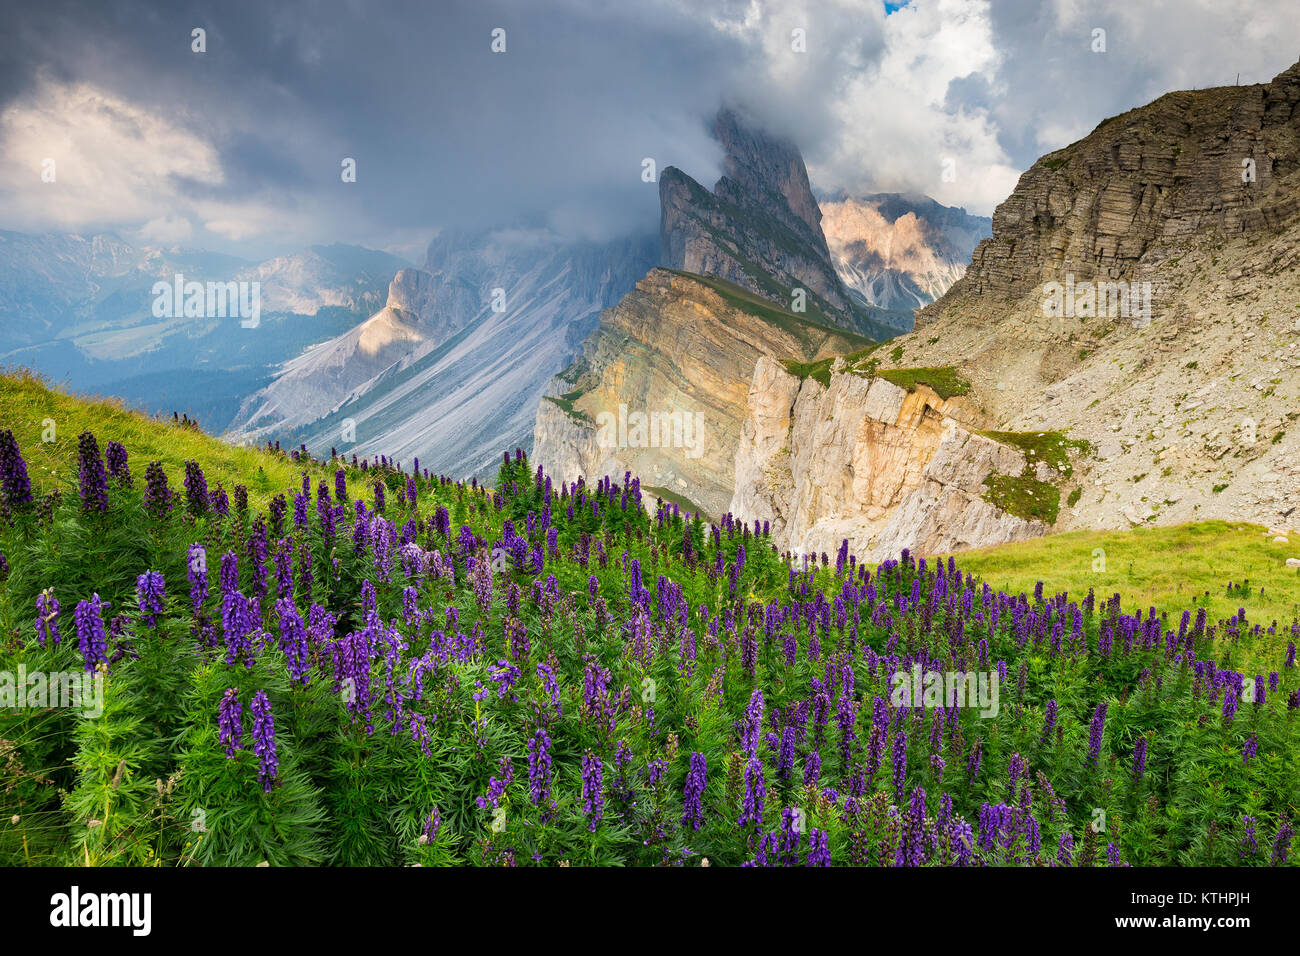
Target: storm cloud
(239, 148)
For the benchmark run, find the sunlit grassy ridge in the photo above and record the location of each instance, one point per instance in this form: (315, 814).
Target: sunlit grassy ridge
(1169, 568)
(34, 411)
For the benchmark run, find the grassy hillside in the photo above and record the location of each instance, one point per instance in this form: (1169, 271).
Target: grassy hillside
(1190, 565)
(381, 669)
(34, 412)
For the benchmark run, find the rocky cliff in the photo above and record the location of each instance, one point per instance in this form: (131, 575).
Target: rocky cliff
(661, 387)
(1141, 290)
(848, 455)
(759, 229)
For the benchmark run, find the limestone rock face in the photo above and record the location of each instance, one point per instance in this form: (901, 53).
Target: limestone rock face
(1191, 405)
(759, 229)
(866, 460)
(663, 384)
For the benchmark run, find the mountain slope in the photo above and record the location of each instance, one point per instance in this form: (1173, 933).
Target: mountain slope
(439, 374)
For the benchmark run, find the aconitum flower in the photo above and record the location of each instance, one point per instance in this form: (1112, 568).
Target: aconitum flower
(1140, 758)
(751, 811)
(341, 486)
(819, 843)
(150, 592)
(264, 740)
(900, 766)
(47, 618)
(230, 722)
(1065, 850)
(196, 489)
(293, 640)
(1049, 721)
(91, 477)
(539, 767)
(593, 796)
(696, 781)
(157, 496)
(1095, 731)
(751, 726)
(1250, 750)
(115, 456)
(197, 562)
(15, 486)
(1282, 843)
(1249, 846)
(90, 631)
(547, 675)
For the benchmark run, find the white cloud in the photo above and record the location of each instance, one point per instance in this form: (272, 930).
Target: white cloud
(165, 230)
(113, 161)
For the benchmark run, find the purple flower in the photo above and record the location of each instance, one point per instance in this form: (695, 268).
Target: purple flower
(819, 843)
(751, 811)
(293, 640)
(264, 740)
(1049, 721)
(197, 562)
(150, 592)
(552, 689)
(1282, 843)
(15, 486)
(115, 457)
(751, 725)
(1140, 758)
(196, 489)
(90, 631)
(230, 722)
(1250, 750)
(91, 477)
(1249, 846)
(1095, 731)
(157, 496)
(539, 767)
(593, 796)
(696, 781)
(47, 618)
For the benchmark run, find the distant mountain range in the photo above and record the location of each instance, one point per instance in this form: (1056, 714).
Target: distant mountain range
(359, 351)
(450, 371)
(80, 310)
(899, 252)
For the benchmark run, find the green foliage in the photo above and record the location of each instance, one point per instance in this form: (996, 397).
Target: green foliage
(403, 774)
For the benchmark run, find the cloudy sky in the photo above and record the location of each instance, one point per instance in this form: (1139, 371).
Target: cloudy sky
(239, 148)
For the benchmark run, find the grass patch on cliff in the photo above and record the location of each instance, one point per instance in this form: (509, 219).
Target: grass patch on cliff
(1024, 496)
(31, 407)
(565, 402)
(1052, 447)
(820, 370)
(1167, 568)
(945, 380)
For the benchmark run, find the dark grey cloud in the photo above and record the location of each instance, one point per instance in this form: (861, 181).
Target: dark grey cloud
(448, 134)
